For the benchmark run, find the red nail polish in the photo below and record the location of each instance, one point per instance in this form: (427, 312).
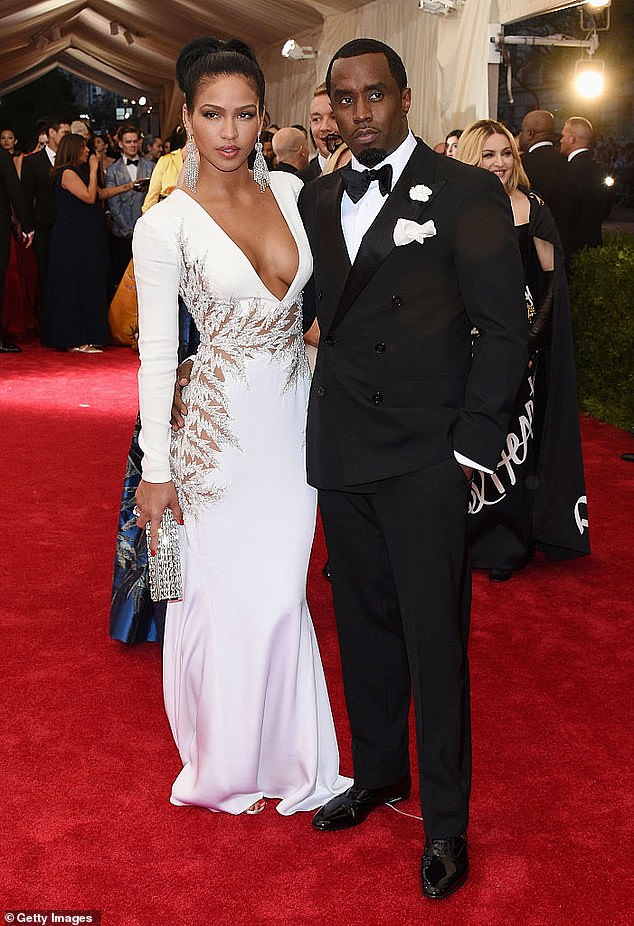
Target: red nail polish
(152, 552)
(181, 523)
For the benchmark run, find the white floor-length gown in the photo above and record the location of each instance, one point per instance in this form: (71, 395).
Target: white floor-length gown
(243, 682)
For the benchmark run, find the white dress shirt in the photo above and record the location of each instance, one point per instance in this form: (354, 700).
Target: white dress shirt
(540, 144)
(51, 155)
(356, 219)
(131, 168)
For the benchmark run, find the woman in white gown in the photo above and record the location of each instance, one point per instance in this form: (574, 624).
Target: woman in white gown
(243, 682)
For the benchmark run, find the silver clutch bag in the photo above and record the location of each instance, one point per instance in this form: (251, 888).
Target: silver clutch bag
(165, 568)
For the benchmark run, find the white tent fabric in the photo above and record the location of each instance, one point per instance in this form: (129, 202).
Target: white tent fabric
(446, 57)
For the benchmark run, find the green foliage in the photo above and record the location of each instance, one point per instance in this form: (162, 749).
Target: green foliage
(601, 298)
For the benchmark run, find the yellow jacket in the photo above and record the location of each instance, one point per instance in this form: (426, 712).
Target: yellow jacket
(164, 178)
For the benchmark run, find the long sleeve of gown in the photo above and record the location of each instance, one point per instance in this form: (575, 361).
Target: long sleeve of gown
(157, 273)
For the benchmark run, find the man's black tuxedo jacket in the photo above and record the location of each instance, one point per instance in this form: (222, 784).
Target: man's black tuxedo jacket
(39, 187)
(395, 387)
(11, 195)
(311, 171)
(588, 202)
(286, 168)
(545, 169)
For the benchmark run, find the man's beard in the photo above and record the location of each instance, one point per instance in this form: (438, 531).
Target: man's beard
(370, 157)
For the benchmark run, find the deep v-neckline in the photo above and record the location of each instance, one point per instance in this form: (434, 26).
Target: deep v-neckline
(237, 247)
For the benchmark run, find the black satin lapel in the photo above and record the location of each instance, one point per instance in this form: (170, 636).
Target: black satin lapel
(378, 242)
(332, 245)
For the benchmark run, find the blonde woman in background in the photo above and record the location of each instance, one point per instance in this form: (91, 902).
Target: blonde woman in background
(536, 498)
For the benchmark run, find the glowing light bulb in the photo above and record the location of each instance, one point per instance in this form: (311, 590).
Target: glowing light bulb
(589, 84)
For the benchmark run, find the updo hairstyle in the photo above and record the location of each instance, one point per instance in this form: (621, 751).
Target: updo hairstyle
(209, 57)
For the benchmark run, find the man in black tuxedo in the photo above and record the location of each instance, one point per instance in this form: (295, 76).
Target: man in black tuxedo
(322, 124)
(588, 199)
(544, 166)
(39, 187)
(11, 196)
(407, 259)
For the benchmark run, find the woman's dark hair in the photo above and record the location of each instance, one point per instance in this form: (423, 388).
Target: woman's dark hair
(455, 133)
(178, 138)
(69, 152)
(210, 57)
(370, 47)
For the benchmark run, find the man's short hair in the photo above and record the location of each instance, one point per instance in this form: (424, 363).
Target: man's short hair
(370, 47)
(126, 128)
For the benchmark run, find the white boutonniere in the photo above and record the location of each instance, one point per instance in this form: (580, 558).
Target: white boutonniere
(406, 231)
(420, 193)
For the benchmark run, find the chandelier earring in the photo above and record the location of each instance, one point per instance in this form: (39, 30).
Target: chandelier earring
(260, 168)
(191, 165)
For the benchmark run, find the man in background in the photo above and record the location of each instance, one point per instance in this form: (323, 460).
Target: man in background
(544, 165)
(39, 188)
(587, 198)
(125, 207)
(291, 150)
(152, 147)
(322, 124)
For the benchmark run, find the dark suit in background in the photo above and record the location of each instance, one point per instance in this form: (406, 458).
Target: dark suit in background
(588, 201)
(395, 391)
(311, 171)
(39, 187)
(545, 169)
(11, 196)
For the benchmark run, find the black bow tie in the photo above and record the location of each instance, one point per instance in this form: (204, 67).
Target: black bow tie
(357, 182)
(130, 161)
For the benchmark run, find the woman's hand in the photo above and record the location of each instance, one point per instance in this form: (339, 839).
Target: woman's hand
(152, 498)
(93, 163)
(179, 409)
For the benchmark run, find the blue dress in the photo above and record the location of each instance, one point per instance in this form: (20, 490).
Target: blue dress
(76, 298)
(134, 617)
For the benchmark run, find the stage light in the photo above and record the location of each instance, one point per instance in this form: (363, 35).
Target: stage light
(290, 49)
(589, 78)
(114, 28)
(127, 35)
(142, 100)
(609, 181)
(598, 4)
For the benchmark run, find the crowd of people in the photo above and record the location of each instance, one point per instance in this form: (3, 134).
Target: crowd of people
(442, 428)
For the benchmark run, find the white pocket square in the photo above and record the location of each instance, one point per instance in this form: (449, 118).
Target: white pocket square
(407, 230)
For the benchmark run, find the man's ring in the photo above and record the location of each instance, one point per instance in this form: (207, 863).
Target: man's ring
(136, 512)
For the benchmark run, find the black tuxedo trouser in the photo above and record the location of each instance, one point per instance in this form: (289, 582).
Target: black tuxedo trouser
(402, 590)
(42, 247)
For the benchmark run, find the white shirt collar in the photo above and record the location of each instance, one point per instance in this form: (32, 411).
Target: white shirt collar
(573, 154)
(540, 144)
(51, 154)
(322, 160)
(398, 159)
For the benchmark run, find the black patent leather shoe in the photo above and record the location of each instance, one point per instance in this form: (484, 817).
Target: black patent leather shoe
(500, 575)
(7, 347)
(444, 867)
(354, 805)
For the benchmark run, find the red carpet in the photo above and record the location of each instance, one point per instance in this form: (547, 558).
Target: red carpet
(89, 760)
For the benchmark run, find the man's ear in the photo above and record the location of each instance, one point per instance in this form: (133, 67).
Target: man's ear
(406, 100)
